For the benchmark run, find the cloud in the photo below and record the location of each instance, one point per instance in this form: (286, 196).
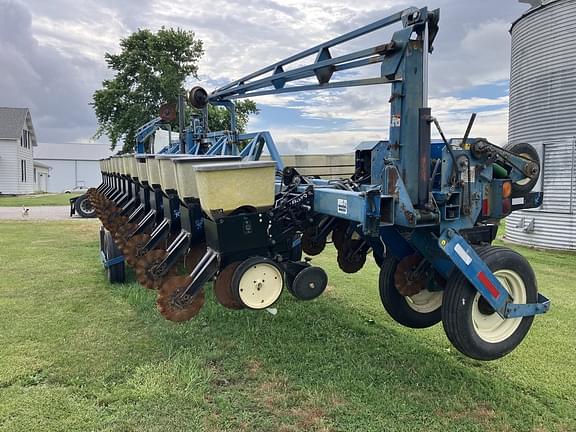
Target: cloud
(53, 60)
(42, 79)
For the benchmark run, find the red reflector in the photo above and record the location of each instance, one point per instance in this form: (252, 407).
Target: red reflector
(489, 285)
(485, 207)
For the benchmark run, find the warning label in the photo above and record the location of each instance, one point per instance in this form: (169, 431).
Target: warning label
(342, 206)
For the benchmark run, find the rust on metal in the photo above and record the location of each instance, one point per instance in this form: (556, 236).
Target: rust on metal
(171, 306)
(406, 280)
(223, 288)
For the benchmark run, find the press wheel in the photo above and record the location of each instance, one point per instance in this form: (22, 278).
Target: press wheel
(171, 307)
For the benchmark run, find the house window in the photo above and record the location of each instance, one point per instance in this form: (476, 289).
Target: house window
(23, 171)
(35, 176)
(25, 139)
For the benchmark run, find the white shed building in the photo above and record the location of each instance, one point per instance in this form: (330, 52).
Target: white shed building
(17, 140)
(73, 165)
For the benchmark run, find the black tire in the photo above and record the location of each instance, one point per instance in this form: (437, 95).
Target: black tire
(84, 207)
(527, 151)
(115, 273)
(397, 305)
(459, 303)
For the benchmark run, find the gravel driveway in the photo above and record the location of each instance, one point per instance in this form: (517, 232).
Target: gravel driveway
(37, 213)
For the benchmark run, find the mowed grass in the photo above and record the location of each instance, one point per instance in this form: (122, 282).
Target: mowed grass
(37, 200)
(77, 354)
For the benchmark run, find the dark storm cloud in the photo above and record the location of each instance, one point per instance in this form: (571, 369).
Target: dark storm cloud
(56, 88)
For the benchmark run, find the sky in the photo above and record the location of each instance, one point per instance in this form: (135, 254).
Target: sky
(53, 60)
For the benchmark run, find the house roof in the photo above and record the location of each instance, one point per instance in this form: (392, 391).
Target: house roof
(41, 165)
(71, 151)
(12, 122)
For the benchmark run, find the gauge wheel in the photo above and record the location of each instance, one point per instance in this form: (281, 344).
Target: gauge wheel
(257, 283)
(421, 310)
(471, 324)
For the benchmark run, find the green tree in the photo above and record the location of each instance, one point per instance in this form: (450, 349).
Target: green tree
(149, 71)
(219, 117)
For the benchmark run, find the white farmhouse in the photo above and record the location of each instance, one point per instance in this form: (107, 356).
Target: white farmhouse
(17, 139)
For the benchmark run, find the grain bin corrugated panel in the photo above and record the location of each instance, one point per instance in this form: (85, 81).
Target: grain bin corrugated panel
(551, 230)
(543, 111)
(543, 75)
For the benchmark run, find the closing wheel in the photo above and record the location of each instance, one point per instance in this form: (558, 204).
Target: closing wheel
(308, 283)
(473, 327)
(174, 308)
(257, 283)
(525, 150)
(148, 271)
(223, 288)
(421, 310)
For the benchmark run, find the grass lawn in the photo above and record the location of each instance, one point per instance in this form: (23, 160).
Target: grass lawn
(37, 200)
(77, 354)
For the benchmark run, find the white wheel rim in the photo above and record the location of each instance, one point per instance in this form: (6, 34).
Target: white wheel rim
(260, 286)
(492, 328)
(425, 301)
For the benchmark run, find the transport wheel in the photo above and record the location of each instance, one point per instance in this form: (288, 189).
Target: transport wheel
(525, 150)
(223, 288)
(421, 310)
(257, 283)
(148, 271)
(312, 244)
(473, 327)
(308, 284)
(117, 272)
(171, 307)
(84, 207)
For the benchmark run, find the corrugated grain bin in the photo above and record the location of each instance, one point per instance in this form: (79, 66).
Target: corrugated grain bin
(185, 176)
(542, 107)
(222, 188)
